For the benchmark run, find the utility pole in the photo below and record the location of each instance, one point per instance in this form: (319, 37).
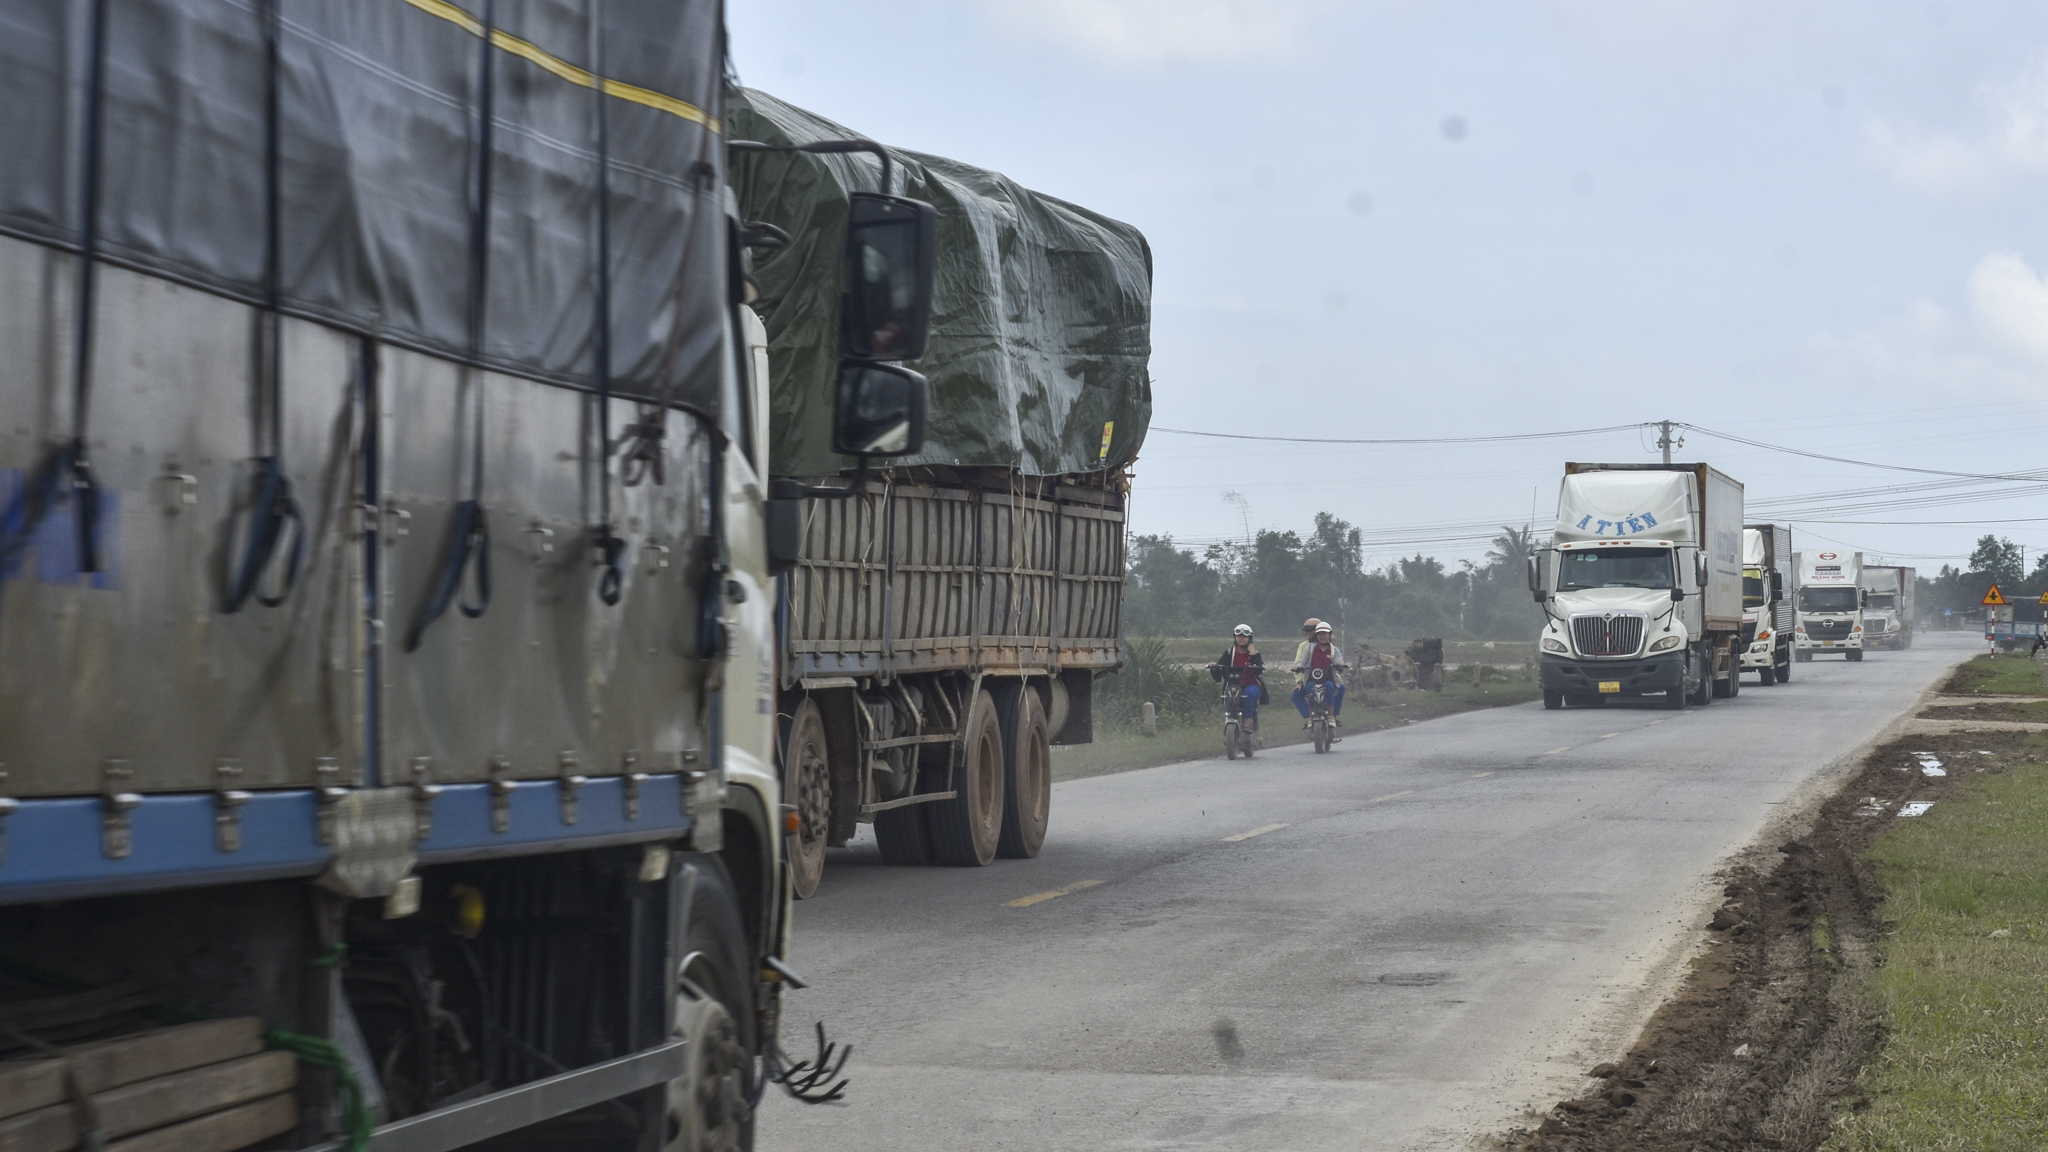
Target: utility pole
(1665, 441)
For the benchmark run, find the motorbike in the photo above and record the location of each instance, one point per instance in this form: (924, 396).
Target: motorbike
(1238, 735)
(1319, 689)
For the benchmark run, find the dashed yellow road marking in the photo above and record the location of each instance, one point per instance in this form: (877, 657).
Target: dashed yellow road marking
(1481, 775)
(1610, 735)
(1042, 897)
(1391, 796)
(1555, 751)
(1252, 833)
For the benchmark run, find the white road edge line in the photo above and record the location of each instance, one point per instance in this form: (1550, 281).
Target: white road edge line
(1252, 833)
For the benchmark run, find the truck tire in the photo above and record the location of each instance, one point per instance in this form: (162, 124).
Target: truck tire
(1784, 662)
(904, 836)
(1855, 655)
(966, 829)
(1553, 700)
(1027, 777)
(1702, 665)
(807, 783)
(707, 1104)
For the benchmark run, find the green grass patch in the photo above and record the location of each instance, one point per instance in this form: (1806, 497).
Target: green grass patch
(2016, 674)
(1125, 751)
(1964, 986)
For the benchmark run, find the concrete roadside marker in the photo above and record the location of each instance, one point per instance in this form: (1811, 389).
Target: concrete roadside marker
(1042, 897)
(1254, 832)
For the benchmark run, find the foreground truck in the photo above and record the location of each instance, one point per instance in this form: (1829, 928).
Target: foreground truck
(1767, 612)
(1641, 587)
(1830, 604)
(1888, 606)
(387, 624)
(943, 620)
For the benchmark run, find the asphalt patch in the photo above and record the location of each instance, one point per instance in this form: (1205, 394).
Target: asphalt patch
(1763, 1040)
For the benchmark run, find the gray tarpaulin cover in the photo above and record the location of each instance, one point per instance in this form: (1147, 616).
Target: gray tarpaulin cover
(377, 166)
(1041, 321)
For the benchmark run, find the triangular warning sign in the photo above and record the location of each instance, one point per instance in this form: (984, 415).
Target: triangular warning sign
(2044, 597)
(1994, 596)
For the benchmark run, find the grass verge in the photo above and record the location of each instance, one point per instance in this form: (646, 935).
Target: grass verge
(2004, 675)
(1964, 988)
(1363, 712)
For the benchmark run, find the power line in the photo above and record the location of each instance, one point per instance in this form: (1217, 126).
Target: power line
(1859, 463)
(1433, 440)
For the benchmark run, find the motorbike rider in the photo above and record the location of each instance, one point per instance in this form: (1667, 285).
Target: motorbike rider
(1318, 652)
(1243, 654)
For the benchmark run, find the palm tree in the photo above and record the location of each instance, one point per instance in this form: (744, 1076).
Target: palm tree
(1512, 548)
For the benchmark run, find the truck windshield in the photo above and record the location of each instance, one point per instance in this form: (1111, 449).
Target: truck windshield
(1881, 600)
(1827, 599)
(1752, 588)
(1615, 568)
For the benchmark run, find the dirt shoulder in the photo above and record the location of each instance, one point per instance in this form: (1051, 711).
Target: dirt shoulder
(1764, 1041)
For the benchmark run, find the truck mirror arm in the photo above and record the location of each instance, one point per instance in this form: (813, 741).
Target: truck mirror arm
(784, 488)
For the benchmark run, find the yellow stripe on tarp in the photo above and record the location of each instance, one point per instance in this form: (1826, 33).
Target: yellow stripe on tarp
(619, 89)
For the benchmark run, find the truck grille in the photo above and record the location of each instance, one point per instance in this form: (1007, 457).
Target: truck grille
(1748, 632)
(1827, 629)
(1607, 635)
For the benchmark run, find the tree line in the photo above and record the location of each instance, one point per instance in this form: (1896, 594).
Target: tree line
(1277, 579)
(1995, 560)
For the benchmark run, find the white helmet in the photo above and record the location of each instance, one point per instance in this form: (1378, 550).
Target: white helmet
(1241, 630)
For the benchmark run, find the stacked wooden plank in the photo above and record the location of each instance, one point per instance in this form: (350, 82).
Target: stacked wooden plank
(205, 1087)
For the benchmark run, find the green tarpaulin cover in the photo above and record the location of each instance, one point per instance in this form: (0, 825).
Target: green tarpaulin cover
(1041, 319)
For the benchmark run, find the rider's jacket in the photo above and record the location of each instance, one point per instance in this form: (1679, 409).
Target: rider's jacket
(1235, 657)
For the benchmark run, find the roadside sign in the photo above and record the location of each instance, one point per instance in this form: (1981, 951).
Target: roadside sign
(2044, 597)
(1995, 597)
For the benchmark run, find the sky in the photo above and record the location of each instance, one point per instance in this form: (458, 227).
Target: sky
(1818, 226)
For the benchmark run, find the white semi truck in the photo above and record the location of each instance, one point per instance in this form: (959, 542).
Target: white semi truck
(1830, 604)
(1642, 585)
(1767, 612)
(1888, 606)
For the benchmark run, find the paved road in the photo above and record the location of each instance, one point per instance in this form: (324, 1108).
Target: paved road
(1435, 928)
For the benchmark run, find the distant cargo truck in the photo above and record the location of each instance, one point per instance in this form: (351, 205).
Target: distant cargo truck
(1642, 587)
(1888, 606)
(1768, 617)
(1830, 604)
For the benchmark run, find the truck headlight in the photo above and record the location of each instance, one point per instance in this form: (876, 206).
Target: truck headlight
(1667, 643)
(1551, 645)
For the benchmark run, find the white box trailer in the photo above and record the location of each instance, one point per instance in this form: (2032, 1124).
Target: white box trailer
(1829, 603)
(1642, 585)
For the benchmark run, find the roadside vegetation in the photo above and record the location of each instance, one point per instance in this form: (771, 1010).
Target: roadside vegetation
(2005, 675)
(1963, 990)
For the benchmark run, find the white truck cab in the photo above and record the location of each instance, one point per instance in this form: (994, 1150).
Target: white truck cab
(1767, 613)
(1829, 604)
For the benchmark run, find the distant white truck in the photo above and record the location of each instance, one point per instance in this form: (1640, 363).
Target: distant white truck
(1767, 612)
(1642, 585)
(1830, 604)
(1888, 606)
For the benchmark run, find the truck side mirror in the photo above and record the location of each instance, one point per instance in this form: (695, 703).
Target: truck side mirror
(879, 410)
(1699, 568)
(885, 305)
(1535, 577)
(1677, 595)
(1864, 600)
(1777, 584)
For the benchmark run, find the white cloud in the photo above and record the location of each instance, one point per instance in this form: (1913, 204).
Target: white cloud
(2015, 141)
(2009, 301)
(1153, 32)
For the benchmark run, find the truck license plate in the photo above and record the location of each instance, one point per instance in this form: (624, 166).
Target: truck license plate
(1828, 643)
(1610, 685)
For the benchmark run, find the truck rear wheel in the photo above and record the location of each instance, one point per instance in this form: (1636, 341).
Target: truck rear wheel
(707, 1105)
(1027, 778)
(904, 836)
(807, 783)
(966, 829)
